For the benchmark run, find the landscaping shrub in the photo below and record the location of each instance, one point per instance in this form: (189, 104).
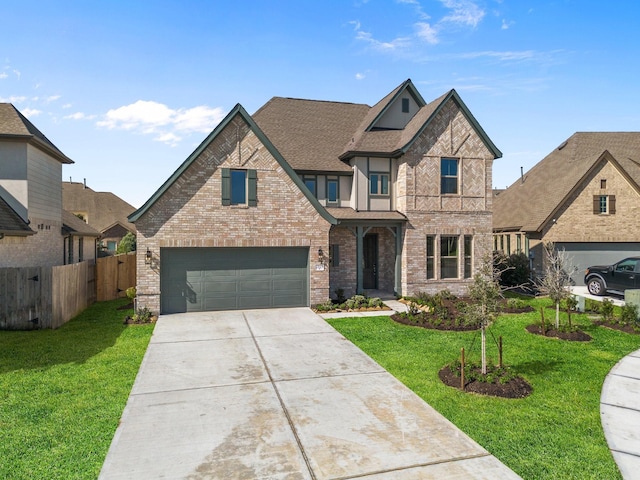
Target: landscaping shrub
(515, 269)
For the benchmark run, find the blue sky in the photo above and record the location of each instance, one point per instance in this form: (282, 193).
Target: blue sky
(129, 89)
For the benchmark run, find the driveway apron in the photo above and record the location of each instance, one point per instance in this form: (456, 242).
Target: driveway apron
(279, 394)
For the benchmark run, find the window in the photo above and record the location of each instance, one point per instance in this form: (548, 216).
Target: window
(239, 187)
(111, 246)
(405, 105)
(518, 243)
(468, 246)
(431, 271)
(604, 204)
(80, 249)
(70, 250)
(448, 257)
(449, 176)
(603, 183)
(311, 183)
(334, 255)
(332, 190)
(379, 184)
(509, 244)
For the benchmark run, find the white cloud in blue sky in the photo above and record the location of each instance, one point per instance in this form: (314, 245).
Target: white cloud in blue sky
(123, 88)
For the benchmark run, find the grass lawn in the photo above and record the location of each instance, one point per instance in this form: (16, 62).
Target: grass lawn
(62, 393)
(555, 432)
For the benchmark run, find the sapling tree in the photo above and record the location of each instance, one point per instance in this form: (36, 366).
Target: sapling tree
(485, 294)
(556, 282)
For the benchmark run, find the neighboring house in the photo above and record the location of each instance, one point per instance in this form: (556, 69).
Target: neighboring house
(103, 211)
(31, 215)
(584, 196)
(305, 197)
(80, 239)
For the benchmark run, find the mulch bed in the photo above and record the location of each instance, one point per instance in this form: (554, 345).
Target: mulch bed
(427, 320)
(515, 388)
(575, 336)
(130, 321)
(616, 326)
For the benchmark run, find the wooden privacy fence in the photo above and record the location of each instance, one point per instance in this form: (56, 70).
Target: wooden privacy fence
(114, 275)
(45, 297)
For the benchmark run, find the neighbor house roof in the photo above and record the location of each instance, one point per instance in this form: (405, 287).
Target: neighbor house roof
(530, 202)
(72, 225)
(14, 125)
(11, 223)
(103, 209)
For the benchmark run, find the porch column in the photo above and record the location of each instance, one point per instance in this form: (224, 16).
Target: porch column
(397, 289)
(359, 258)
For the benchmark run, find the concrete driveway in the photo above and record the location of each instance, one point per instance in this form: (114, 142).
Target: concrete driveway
(279, 394)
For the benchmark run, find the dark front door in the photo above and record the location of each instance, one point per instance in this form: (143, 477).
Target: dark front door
(370, 256)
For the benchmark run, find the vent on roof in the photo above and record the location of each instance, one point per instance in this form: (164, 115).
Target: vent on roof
(562, 145)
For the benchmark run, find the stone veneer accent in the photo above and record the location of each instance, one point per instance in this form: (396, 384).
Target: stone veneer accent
(190, 213)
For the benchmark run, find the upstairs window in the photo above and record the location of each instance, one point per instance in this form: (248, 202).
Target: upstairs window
(449, 176)
(239, 187)
(604, 204)
(379, 184)
(311, 183)
(333, 191)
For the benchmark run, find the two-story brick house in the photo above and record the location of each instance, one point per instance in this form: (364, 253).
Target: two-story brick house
(305, 197)
(33, 231)
(584, 196)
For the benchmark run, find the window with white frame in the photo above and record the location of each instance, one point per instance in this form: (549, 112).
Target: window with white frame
(449, 176)
(333, 190)
(449, 256)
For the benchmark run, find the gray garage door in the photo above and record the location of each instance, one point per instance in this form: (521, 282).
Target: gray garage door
(583, 255)
(204, 279)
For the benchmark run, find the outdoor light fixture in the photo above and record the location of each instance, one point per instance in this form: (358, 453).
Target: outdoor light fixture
(147, 257)
(320, 255)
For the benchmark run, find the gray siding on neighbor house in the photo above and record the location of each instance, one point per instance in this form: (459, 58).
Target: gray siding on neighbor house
(45, 185)
(13, 182)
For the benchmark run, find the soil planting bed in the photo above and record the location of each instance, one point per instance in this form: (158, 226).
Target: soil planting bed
(514, 388)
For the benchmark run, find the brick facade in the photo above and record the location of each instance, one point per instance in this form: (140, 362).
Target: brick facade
(190, 213)
(44, 249)
(432, 214)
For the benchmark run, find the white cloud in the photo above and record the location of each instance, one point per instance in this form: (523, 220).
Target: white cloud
(395, 44)
(360, 76)
(153, 118)
(52, 98)
(30, 112)
(506, 25)
(464, 12)
(79, 116)
(13, 99)
(427, 33)
(3, 75)
(67, 105)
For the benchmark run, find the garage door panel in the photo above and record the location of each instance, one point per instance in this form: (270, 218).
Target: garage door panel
(194, 279)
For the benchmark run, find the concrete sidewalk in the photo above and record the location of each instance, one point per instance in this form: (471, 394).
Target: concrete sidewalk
(279, 394)
(620, 414)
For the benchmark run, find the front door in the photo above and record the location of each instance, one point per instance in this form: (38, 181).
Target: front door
(370, 256)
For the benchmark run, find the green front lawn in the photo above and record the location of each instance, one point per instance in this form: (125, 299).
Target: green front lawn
(62, 393)
(555, 432)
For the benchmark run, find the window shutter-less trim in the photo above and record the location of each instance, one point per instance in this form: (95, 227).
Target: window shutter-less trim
(612, 204)
(252, 180)
(596, 204)
(226, 186)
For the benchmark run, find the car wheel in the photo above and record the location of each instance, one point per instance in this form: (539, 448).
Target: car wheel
(595, 286)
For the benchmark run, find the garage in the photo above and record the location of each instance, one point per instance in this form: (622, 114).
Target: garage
(206, 279)
(583, 255)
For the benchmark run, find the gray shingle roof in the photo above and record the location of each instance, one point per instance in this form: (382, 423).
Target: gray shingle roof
(345, 213)
(73, 225)
(310, 134)
(528, 204)
(11, 223)
(104, 209)
(15, 125)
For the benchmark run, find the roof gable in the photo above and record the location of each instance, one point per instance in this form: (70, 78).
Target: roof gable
(238, 110)
(103, 209)
(531, 201)
(14, 125)
(11, 223)
(385, 108)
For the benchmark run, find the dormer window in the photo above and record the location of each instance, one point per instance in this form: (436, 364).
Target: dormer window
(379, 184)
(311, 182)
(405, 105)
(333, 191)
